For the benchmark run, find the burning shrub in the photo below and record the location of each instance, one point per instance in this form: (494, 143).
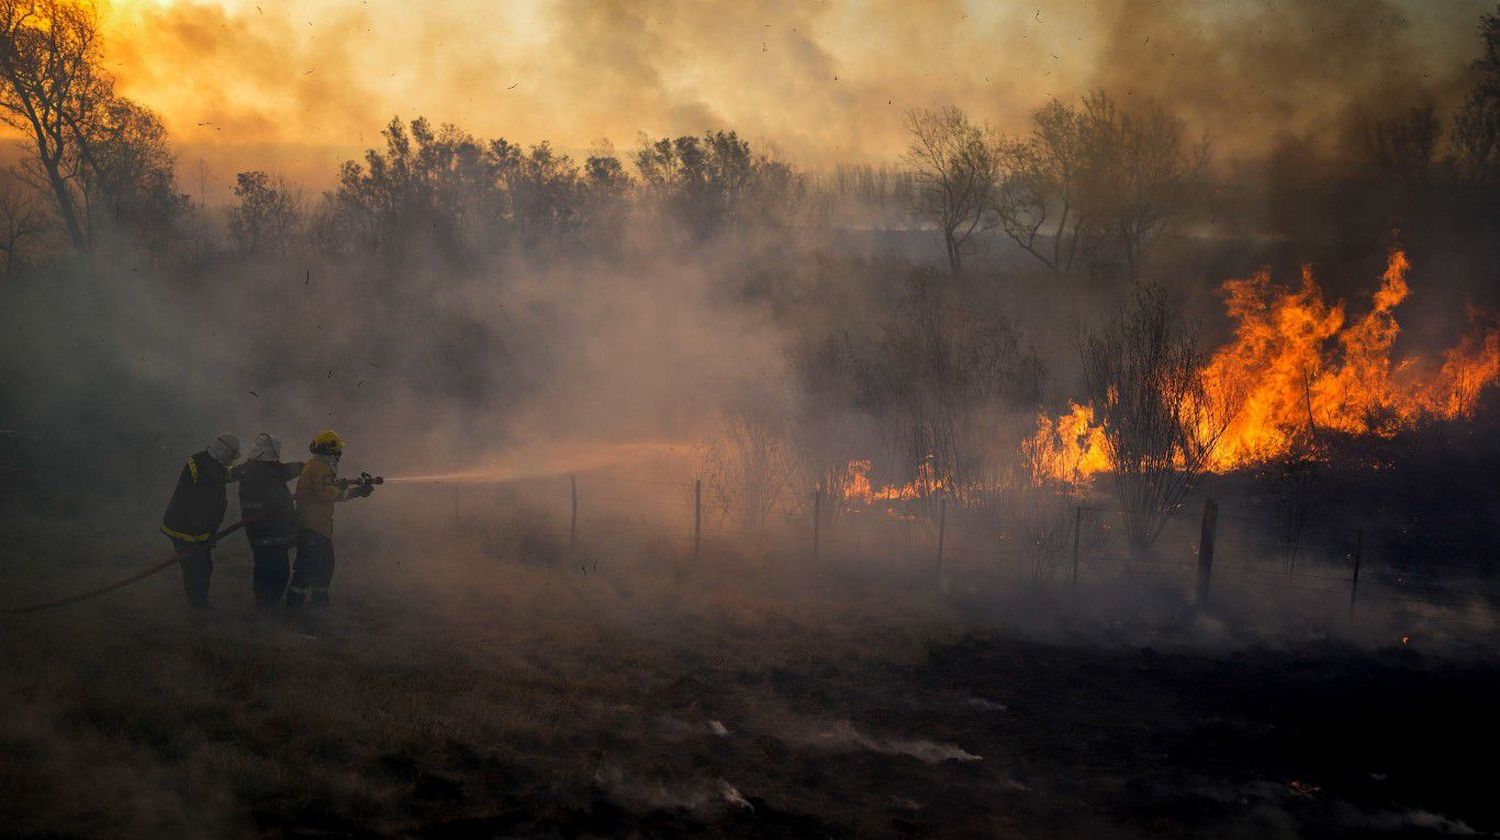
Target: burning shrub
(949, 374)
(1160, 421)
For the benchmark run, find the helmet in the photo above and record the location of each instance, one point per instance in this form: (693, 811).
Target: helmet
(327, 441)
(224, 449)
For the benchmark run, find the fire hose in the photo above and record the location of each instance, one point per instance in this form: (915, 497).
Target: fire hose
(120, 584)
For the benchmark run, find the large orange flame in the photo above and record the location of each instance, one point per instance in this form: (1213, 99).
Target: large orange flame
(1301, 371)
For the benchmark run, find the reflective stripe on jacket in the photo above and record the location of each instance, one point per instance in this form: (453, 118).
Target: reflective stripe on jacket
(199, 500)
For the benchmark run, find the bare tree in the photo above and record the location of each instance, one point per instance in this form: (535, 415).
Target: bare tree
(956, 168)
(1038, 197)
(749, 465)
(1148, 175)
(49, 86)
(1143, 372)
(21, 221)
(950, 369)
(103, 158)
(1098, 181)
(128, 178)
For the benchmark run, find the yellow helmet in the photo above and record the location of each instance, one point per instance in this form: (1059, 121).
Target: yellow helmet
(327, 441)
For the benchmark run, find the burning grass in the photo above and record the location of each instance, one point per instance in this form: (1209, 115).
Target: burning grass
(1299, 370)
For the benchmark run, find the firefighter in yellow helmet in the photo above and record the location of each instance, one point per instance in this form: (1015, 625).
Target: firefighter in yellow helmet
(319, 488)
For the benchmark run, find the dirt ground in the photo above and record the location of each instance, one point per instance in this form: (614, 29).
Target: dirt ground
(453, 692)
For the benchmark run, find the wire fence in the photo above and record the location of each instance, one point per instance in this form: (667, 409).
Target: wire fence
(1210, 552)
(1241, 553)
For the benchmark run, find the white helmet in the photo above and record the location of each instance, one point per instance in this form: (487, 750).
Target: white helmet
(267, 448)
(224, 449)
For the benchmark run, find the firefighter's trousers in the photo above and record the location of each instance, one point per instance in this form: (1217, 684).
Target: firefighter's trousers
(197, 564)
(272, 567)
(313, 570)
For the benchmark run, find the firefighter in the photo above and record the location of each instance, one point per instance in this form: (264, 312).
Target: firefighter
(264, 495)
(318, 489)
(196, 511)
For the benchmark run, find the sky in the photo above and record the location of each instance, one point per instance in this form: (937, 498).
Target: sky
(309, 83)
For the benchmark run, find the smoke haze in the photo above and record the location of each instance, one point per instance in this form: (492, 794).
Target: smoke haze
(821, 82)
(747, 471)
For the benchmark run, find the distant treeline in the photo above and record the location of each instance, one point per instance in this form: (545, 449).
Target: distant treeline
(1085, 191)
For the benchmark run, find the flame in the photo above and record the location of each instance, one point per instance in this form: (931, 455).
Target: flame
(1071, 450)
(856, 487)
(1301, 370)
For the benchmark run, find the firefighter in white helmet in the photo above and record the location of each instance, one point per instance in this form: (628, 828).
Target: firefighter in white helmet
(265, 497)
(196, 511)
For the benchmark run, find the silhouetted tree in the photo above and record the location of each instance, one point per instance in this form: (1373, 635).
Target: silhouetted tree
(948, 371)
(1145, 177)
(1039, 196)
(445, 188)
(49, 68)
(265, 215)
(1476, 127)
(606, 187)
(956, 177)
(436, 187)
(1403, 146)
(544, 189)
(1161, 424)
(711, 182)
(21, 221)
(103, 158)
(129, 177)
(1100, 181)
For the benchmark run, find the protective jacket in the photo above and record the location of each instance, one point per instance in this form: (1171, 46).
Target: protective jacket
(263, 493)
(199, 501)
(317, 491)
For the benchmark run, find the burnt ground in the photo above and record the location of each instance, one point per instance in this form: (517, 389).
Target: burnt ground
(481, 697)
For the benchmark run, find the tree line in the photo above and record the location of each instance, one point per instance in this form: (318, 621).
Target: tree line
(1087, 190)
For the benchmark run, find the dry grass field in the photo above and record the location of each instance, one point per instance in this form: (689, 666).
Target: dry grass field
(452, 692)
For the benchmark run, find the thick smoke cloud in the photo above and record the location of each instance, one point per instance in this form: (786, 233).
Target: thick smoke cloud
(1246, 73)
(821, 81)
(818, 81)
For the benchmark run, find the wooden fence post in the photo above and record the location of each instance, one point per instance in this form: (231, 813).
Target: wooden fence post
(1359, 549)
(942, 533)
(573, 520)
(817, 520)
(1206, 548)
(1077, 521)
(697, 518)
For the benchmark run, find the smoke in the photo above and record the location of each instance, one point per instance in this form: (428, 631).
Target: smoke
(822, 82)
(1247, 73)
(573, 71)
(614, 355)
(841, 735)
